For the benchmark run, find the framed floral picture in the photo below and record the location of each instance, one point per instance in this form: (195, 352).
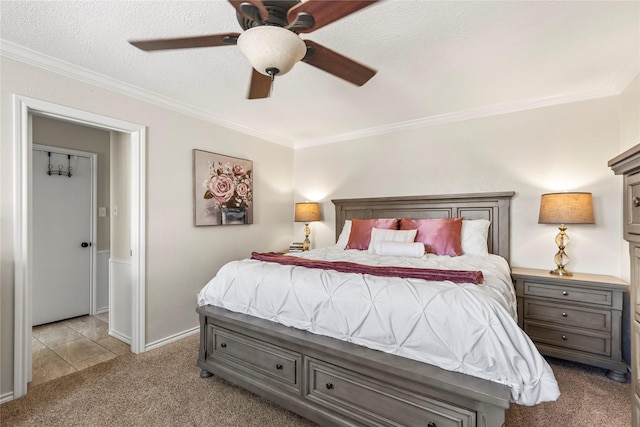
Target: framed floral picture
(223, 189)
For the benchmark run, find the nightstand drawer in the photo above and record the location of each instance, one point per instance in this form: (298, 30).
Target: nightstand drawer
(568, 293)
(567, 315)
(569, 338)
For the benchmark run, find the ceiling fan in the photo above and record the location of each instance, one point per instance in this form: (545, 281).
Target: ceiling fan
(271, 43)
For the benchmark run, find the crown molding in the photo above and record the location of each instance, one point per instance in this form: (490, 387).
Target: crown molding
(459, 116)
(28, 56)
(22, 54)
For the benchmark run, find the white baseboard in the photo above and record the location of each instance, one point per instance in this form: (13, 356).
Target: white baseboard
(120, 337)
(6, 397)
(172, 338)
(102, 310)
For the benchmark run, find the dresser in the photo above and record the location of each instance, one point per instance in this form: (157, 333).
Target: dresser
(576, 318)
(627, 164)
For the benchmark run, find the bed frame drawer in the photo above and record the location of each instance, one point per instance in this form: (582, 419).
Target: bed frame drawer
(256, 356)
(576, 339)
(571, 316)
(368, 400)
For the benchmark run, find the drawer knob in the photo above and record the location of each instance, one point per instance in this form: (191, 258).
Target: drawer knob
(564, 337)
(431, 424)
(278, 366)
(223, 345)
(636, 202)
(565, 293)
(329, 386)
(564, 314)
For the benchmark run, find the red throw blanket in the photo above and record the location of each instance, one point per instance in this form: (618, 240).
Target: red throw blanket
(456, 276)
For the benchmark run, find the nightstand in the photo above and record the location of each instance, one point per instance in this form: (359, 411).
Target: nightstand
(577, 318)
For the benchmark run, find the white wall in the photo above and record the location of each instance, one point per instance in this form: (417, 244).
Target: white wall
(119, 196)
(630, 115)
(531, 152)
(180, 257)
(120, 286)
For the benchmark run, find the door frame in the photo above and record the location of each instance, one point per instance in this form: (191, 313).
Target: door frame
(23, 108)
(93, 231)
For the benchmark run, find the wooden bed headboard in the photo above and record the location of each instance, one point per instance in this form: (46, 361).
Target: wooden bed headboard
(492, 206)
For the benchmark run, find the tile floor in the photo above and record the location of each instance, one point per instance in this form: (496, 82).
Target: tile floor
(64, 347)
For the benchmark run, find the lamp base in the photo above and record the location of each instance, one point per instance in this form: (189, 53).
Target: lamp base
(561, 272)
(306, 245)
(561, 258)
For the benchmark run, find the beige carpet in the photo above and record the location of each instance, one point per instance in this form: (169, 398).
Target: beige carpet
(163, 388)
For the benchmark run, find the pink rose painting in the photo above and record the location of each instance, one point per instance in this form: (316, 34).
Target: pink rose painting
(223, 189)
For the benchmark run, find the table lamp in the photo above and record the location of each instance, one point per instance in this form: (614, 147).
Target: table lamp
(307, 212)
(565, 208)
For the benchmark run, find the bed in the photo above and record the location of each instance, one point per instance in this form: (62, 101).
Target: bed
(334, 370)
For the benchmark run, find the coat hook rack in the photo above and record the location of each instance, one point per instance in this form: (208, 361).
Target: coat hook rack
(60, 170)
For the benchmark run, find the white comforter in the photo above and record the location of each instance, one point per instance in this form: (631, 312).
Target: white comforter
(465, 328)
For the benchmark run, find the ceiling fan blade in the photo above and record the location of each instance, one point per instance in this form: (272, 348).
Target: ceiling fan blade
(260, 86)
(247, 11)
(336, 64)
(226, 39)
(325, 12)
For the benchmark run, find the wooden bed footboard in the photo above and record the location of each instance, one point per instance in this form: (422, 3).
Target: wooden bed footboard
(336, 383)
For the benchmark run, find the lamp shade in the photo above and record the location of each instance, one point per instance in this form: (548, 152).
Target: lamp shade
(269, 47)
(307, 212)
(566, 208)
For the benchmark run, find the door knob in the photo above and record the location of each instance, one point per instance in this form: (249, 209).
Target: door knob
(85, 244)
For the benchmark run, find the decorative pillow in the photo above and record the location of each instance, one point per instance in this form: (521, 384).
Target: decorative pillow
(474, 236)
(361, 231)
(441, 236)
(343, 239)
(403, 249)
(386, 235)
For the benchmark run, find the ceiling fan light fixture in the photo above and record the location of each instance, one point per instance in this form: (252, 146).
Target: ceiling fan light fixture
(269, 47)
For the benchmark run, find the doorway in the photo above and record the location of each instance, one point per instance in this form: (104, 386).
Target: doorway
(24, 109)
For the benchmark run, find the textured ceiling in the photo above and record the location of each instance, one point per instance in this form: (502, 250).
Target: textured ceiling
(437, 61)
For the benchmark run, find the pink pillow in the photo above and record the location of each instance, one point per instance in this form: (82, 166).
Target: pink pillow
(361, 231)
(441, 236)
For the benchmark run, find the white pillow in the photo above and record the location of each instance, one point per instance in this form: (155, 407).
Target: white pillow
(474, 236)
(403, 249)
(343, 239)
(384, 235)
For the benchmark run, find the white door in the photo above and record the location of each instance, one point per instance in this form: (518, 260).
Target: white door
(62, 233)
